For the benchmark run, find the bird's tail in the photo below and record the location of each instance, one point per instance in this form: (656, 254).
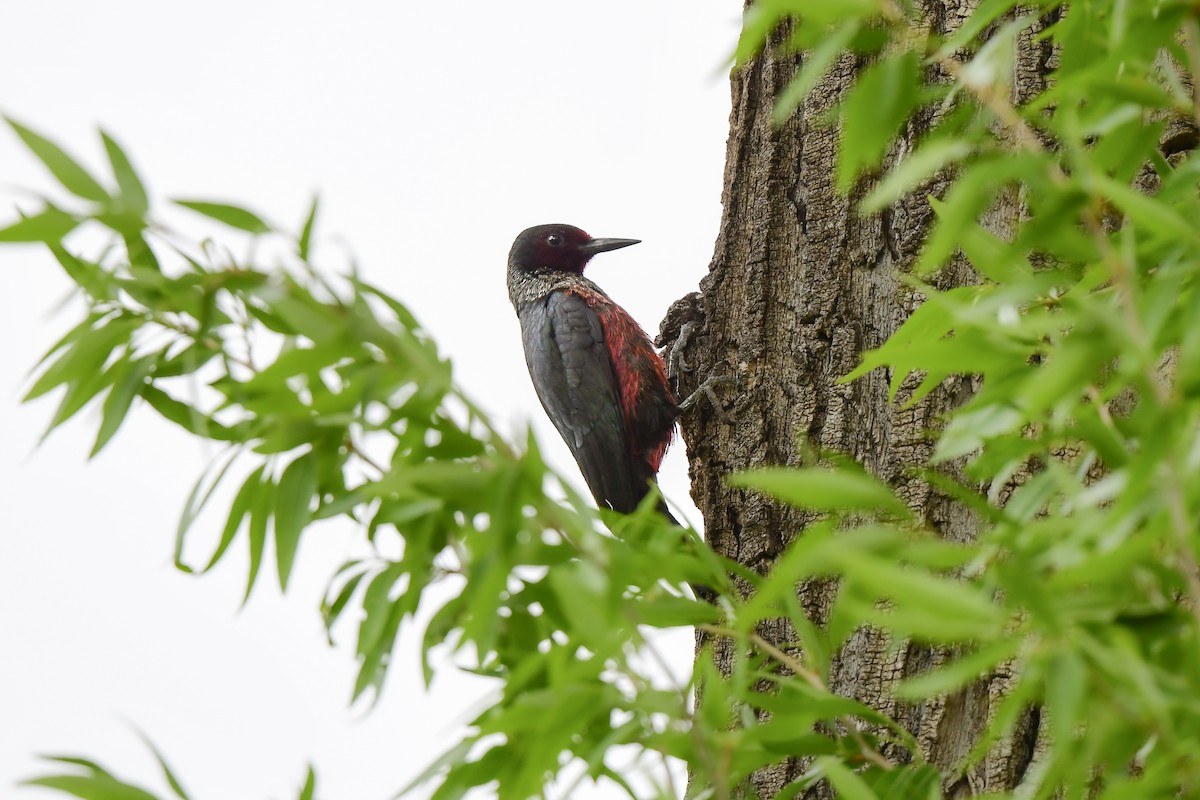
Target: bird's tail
(666, 512)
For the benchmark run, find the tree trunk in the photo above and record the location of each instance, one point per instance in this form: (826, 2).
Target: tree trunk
(799, 287)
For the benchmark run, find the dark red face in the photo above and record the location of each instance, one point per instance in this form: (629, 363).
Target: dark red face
(563, 248)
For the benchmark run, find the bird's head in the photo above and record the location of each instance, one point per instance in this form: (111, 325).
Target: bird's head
(563, 248)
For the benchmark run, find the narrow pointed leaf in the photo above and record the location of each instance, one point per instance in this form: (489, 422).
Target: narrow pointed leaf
(132, 192)
(237, 513)
(306, 234)
(822, 489)
(310, 785)
(92, 787)
(172, 781)
(48, 226)
(262, 505)
(127, 384)
(233, 216)
(198, 499)
(67, 170)
(292, 504)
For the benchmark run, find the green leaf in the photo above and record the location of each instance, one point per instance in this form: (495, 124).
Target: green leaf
(310, 785)
(977, 187)
(984, 14)
(960, 672)
(991, 256)
(74, 178)
(90, 276)
(1066, 695)
(582, 590)
(872, 113)
(668, 611)
(80, 392)
(49, 226)
(87, 352)
(237, 513)
(927, 159)
(330, 611)
(233, 216)
(969, 429)
(92, 787)
(87, 764)
(906, 782)
(925, 605)
(197, 500)
(262, 505)
(1149, 213)
(306, 234)
(132, 192)
(822, 489)
(187, 417)
(849, 786)
(172, 781)
(812, 68)
(297, 486)
(128, 379)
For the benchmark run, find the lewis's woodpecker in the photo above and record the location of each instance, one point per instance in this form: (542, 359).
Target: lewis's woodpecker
(598, 376)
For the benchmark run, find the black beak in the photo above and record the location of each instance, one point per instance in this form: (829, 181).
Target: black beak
(604, 245)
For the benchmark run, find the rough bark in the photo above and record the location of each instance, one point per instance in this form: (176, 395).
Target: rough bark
(799, 287)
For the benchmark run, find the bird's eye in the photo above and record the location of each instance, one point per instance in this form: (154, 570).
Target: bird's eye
(554, 240)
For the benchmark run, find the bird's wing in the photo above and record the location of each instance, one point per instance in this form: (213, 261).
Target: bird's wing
(575, 380)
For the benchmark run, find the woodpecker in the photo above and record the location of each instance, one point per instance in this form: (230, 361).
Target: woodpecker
(599, 378)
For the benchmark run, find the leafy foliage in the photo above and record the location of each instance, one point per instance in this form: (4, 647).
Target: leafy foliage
(1077, 452)
(333, 404)
(1077, 455)
(90, 781)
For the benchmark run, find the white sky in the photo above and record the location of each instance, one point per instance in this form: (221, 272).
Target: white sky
(434, 132)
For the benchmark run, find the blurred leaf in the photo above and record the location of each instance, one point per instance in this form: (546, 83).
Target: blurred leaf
(132, 192)
(310, 785)
(172, 781)
(92, 787)
(671, 612)
(987, 12)
(1066, 694)
(822, 489)
(812, 69)
(964, 669)
(233, 216)
(925, 605)
(187, 417)
(201, 493)
(49, 226)
(990, 255)
(848, 785)
(74, 178)
(906, 782)
(968, 430)
(262, 505)
(927, 159)
(872, 113)
(128, 379)
(238, 511)
(306, 233)
(292, 503)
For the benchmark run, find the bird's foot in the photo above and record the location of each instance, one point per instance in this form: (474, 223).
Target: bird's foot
(705, 390)
(676, 366)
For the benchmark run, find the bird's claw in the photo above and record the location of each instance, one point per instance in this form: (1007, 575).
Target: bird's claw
(705, 390)
(675, 363)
